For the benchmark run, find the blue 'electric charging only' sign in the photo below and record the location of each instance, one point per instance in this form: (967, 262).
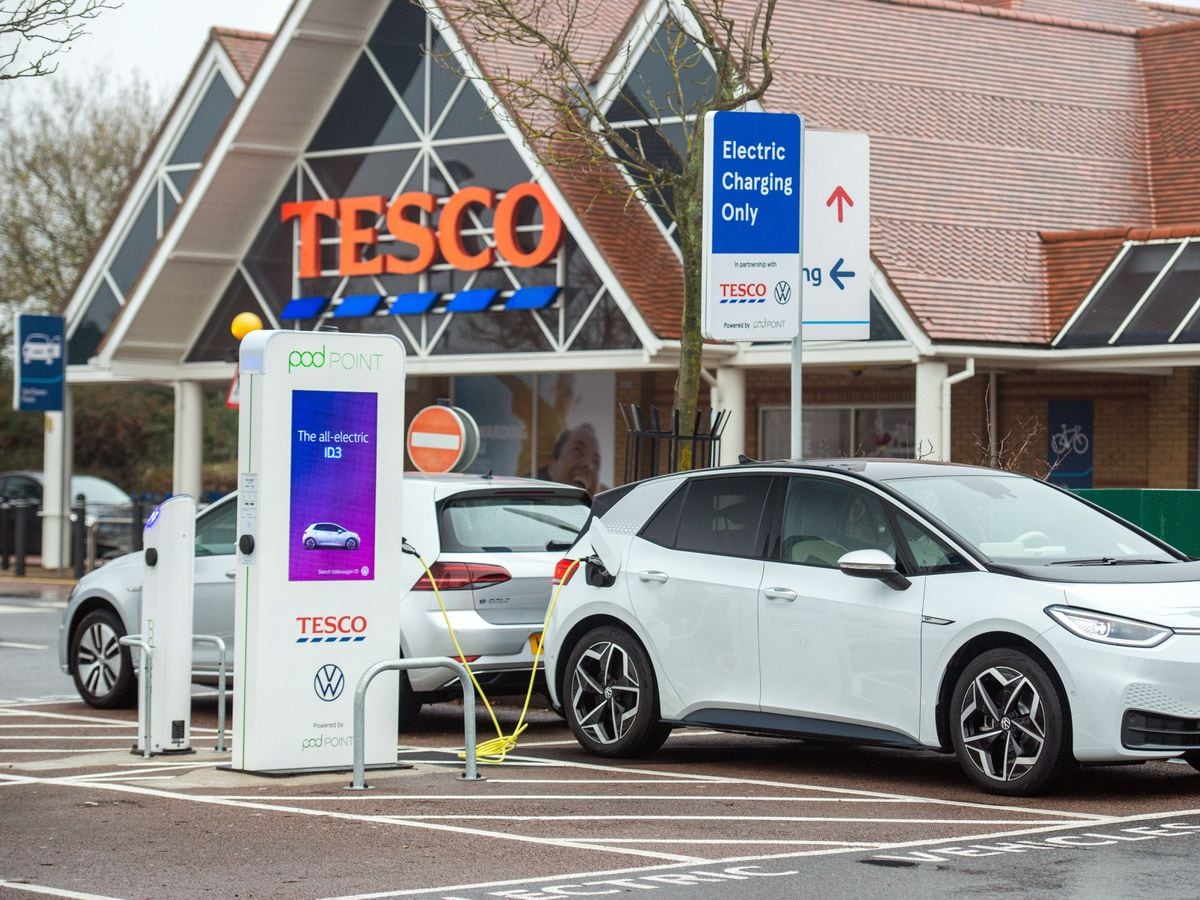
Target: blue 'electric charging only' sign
(752, 228)
(40, 363)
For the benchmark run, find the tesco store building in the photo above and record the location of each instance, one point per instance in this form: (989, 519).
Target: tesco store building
(346, 173)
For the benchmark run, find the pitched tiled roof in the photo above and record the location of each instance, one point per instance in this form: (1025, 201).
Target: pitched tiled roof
(991, 123)
(1171, 67)
(244, 48)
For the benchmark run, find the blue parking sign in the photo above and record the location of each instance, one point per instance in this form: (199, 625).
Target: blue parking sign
(40, 363)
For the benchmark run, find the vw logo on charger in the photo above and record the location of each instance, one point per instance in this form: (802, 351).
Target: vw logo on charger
(783, 292)
(329, 682)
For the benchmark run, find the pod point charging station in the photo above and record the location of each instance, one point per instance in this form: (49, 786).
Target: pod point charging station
(320, 472)
(165, 698)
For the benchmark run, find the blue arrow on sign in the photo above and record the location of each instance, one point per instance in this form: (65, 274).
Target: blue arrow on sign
(837, 273)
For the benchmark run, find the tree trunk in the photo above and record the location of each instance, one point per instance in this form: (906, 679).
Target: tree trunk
(689, 209)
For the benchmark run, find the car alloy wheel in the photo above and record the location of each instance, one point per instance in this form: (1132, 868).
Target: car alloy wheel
(1008, 725)
(310, 543)
(1003, 723)
(605, 692)
(610, 694)
(351, 543)
(103, 669)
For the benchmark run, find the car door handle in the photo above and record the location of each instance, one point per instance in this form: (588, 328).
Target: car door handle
(651, 575)
(780, 594)
(232, 573)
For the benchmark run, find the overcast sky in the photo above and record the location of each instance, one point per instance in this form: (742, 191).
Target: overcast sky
(162, 38)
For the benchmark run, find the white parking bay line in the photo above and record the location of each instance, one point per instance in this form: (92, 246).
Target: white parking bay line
(810, 820)
(217, 800)
(13, 645)
(849, 845)
(53, 892)
(825, 789)
(16, 712)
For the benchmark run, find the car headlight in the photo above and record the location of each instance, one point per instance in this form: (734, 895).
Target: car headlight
(1108, 629)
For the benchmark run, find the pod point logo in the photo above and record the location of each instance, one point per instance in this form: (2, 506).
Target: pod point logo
(329, 682)
(306, 359)
(349, 362)
(783, 292)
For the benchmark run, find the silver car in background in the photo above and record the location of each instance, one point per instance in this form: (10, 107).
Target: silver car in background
(491, 544)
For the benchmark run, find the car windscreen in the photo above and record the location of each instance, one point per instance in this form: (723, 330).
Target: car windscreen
(1022, 521)
(511, 522)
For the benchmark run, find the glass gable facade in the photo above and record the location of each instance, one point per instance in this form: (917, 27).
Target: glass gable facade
(171, 181)
(657, 104)
(407, 120)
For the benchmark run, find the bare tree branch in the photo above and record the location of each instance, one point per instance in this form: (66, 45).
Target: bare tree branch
(546, 62)
(33, 32)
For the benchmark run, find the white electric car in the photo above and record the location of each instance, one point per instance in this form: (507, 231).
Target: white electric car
(491, 544)
(329, 534)
(904, 604)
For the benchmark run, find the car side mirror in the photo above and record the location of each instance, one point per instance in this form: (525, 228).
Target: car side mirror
(873, 564)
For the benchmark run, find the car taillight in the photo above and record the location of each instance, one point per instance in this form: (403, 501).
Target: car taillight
(563, 573)
(458, 576)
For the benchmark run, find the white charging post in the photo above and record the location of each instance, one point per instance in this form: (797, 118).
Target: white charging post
(167, 602)
(320, 462)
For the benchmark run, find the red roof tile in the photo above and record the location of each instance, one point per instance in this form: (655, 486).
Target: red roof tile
(244, 48)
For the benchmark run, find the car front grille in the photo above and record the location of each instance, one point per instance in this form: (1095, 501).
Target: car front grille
(1153, 731)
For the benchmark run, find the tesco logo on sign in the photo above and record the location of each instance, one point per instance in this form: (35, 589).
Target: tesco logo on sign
(359, 253)
(335, 625)
(742, 292)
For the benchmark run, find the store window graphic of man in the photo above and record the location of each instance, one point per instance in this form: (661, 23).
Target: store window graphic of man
(575, 459)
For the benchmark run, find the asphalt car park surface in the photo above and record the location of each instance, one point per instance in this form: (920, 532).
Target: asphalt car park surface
(710, 815)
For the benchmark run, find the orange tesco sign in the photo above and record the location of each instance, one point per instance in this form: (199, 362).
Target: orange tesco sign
(359, 252)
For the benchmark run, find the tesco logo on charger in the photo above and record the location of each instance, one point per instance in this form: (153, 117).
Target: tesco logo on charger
(331, 629)
(742, 292)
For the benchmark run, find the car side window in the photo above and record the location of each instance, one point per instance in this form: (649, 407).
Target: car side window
(19, 488)
(931, 555)
(216, 531)
(824, 519)
(664, 524)
(723, 515)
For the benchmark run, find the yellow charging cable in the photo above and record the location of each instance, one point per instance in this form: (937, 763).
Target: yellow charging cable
(497, 749)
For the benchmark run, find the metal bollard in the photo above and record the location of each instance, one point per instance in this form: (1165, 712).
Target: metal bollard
(79, 534)
(20, 534)
(135, 640)
(137, 519)
(213, 639)
(5, 532)
(360, 726)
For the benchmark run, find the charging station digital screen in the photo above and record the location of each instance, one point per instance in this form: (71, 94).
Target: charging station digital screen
(332, 536)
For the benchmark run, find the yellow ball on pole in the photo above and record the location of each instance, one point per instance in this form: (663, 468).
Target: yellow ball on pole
(244, 323)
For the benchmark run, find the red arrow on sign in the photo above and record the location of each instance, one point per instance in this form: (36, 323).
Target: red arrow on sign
(839, 194)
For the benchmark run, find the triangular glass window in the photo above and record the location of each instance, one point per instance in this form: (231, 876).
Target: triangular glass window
(363, 115)
(216, 343)
(208, 118)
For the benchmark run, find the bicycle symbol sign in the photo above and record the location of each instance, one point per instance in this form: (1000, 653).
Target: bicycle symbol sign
(1069, 441)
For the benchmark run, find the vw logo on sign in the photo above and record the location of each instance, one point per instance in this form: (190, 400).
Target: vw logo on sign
(329, 682)
(783, 292)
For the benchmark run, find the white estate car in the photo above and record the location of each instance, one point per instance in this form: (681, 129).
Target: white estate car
(885, 602)
(491, 544)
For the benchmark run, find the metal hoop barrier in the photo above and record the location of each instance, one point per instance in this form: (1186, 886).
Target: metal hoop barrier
(135, 640)
(221, 682)
(431, 662)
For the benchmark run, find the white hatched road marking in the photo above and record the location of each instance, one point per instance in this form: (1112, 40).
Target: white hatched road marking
(53, 892)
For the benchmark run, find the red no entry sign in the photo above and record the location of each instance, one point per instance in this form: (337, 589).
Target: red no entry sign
(442, 439)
